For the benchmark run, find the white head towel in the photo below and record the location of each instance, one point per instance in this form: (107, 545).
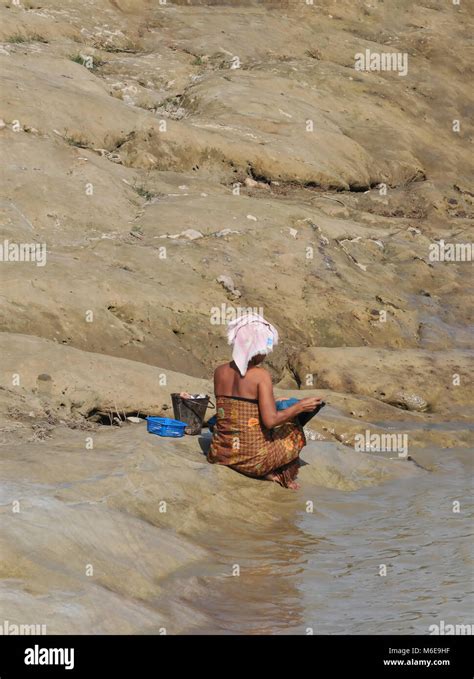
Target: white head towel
(250, 334)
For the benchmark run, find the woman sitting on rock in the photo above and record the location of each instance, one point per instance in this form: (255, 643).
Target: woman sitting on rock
(250, 435)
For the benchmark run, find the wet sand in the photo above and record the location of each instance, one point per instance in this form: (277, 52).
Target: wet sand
(228, 554)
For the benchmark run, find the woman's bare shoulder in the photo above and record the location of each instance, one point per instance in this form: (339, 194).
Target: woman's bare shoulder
(221, 368)
(261, 374)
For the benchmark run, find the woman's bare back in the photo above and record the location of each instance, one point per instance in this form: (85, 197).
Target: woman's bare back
(229, 382)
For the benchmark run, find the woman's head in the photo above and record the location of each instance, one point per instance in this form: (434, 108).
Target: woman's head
(252, 338)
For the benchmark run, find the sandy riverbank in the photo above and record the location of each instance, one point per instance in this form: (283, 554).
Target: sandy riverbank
(175, 162)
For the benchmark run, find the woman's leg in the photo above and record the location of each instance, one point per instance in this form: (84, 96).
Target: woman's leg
(286, 474)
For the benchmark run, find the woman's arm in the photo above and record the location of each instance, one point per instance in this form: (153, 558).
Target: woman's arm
(271, 417)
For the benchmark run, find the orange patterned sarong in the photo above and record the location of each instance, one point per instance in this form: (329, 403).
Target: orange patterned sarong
(241, 442)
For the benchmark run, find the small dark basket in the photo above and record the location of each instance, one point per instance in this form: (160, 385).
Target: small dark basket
(191, 411)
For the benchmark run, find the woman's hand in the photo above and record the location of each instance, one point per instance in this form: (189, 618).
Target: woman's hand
(266, 404)
(306, 405)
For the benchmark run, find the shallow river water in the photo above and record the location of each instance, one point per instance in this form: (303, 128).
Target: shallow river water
(366, 546)
(391, 558)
